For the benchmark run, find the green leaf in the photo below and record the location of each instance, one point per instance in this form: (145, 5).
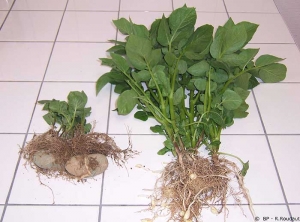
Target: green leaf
(121, 87)
(101, 82)
(168, 143)
(264, 60)
(243, 81)
(157, 129)
(138, 49)
(219, 76)
(141, 115)
(44, 101)
(140, 30)
(107, 62)
(164, 35)
(118, 49)
(241, 111)
(141, 76)
(123, 25)
(49, 119)
(182, 66)
(216, 117)
(234, 39)
(200, 84)
(87, 128)
(272, 73)
(231, 100)
(228, 41)
(163, 151)
(170, 58)
(58, 106)
(247, 55)
(250, 29)
(178, 96)
(126, 102)
(120, 62)
(182, 18)
(155, 57)
(242, 92)
(245, 168)
(201, 39)
(200, 109)
(77, 100)
(253, 82)
(199, 69)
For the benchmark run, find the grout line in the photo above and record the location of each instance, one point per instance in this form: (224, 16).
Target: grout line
(61, 41)
(172, 5)
(135, 205)
(10, 9)
(272, 155)
(107, 129)
(226, 9)
(20, 155)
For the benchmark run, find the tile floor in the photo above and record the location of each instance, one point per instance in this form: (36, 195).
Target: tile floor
(48, 48)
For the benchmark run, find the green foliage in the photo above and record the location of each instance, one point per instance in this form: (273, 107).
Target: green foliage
(69, 115)
(193, 83)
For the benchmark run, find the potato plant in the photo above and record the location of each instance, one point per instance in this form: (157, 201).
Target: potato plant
(194, 83)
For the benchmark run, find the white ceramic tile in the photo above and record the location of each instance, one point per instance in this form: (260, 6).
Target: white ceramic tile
(88, 26)
(278, 104)
(127, 214)
(39, 5)
(60, 91)
(214, 19)
(126, 187)
(118, 123)
(266, 6)
(252, 121)
(135, 213)
(144, 18)
(272, 28)
(31, 60)
(2, 16)
(17, 106)
(51, 213)
(289, 52)
(146, 5)
(235, 214)
(9, 153)
(263, 189)
(286, 152)
(81, 61)
(5, 4)
(93, 5)
(202, 5)
(295, 209)
(64, 192)
(31, 26)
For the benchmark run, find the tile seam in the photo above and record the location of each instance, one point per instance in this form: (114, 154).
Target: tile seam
(107, 129)
(10, 9)
(25, 138)
(272, 155)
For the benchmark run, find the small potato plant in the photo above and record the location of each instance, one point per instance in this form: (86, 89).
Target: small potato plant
(70, 149)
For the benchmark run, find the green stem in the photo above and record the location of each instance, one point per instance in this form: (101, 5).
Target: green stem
(228, 154)
(236, 76)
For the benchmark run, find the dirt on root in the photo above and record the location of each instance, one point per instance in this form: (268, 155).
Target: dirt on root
(62, 149)
(188, 186)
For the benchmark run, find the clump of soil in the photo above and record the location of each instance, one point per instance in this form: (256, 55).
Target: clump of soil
(62, 149)
(191, 183)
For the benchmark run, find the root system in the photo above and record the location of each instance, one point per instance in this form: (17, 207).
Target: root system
(62, 149)
(188, 186)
